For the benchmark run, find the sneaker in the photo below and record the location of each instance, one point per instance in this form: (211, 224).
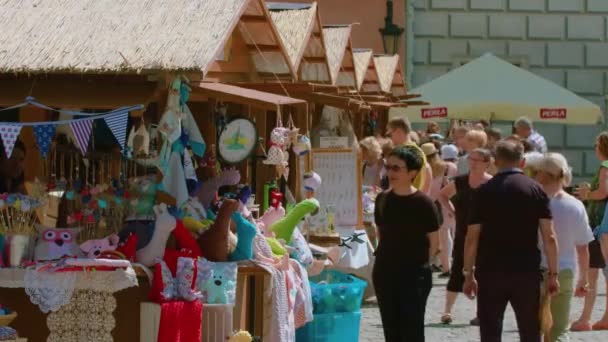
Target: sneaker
(444, 275)
(474, 322)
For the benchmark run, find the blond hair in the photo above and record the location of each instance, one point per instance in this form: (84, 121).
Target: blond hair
(556, 165)
(479, 138)
(372, 146)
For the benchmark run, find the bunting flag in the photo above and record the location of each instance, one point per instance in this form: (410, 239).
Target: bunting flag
(82, 132)
(9, 134)
(44, 135)
(118, 126)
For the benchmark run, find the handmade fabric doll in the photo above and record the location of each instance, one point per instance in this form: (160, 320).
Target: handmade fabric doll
(246, 232)
(94, 248)
(302, 146)
(164, 225)
(214, 241)
(168, 286)
(284, 227)
(277, 146)
(302, 252)
(56, 243)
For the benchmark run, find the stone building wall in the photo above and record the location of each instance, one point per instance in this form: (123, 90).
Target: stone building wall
(565, 41)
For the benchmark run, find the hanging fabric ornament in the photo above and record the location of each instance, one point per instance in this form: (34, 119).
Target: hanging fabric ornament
(82, 133)
(277, 145)
(9, 134)
(118, 126)
(197, 143)
(44, 136)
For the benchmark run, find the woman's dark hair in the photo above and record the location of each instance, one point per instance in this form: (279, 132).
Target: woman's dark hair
(410, 156)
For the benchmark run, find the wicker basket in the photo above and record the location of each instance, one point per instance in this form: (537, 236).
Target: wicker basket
(5, 320)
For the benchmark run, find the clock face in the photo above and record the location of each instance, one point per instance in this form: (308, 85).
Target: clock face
(237, 141)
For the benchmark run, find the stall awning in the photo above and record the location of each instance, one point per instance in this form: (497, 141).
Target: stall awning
(230, 93)
(493, 89)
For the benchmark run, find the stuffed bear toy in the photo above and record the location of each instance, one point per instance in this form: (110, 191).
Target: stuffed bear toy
(56, 243)
(217, 280)
(276, 151)
(94, 248)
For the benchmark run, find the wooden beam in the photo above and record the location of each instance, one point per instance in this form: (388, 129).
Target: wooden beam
(77, 93)
(263, 47)
(292, 88)
(253, 18)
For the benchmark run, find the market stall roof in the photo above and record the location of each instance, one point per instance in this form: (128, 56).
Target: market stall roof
(493, 89)
(340, 55)
(226, 92)
(390, 76)
(83, 36)
(299, 26)
(367, 79)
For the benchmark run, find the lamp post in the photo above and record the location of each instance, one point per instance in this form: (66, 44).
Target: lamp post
(391, 33)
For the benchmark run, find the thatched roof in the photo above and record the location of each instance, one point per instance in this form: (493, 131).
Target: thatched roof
(268, 52)
(299, 26)
(340, 55)
(390, 76)
(81, 36)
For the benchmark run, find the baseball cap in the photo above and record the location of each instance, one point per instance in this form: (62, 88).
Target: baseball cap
(449, 152)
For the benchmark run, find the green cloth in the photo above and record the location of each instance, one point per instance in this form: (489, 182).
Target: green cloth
(560, 307)
(595, 209)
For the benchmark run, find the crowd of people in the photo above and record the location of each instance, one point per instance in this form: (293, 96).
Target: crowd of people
(497, 216)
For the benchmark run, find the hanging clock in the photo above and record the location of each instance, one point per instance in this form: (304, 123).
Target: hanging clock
(237, 141)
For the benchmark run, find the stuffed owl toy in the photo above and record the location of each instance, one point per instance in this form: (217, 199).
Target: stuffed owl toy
(56, 243)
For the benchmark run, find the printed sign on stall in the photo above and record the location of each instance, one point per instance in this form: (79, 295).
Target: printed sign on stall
(438, 112)
(553, 113)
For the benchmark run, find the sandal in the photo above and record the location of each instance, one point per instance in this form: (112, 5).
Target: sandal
(581, 326)
(446, 318)
(600, 325)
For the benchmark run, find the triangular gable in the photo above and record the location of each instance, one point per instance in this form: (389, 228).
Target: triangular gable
(270, 58)
(389, 74)
(299, 27)
(340, 55)
(363, 59)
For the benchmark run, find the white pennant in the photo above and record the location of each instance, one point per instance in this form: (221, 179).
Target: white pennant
(9, 134)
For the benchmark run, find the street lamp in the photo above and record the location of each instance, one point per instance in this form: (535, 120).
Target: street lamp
(391, 33)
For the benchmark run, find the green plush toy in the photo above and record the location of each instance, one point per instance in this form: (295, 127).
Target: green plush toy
(276, 247)
(284, 227)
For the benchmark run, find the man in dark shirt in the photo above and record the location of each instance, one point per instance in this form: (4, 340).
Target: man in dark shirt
(502, 241)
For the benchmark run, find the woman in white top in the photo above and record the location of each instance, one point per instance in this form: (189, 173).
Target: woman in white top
(573, 236)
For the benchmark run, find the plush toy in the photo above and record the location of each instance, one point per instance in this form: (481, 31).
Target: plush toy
(167, 287)
(302, 252)
(128, 248)
(217, 280)
(277, 146)
(214, 241)
(209, 188)
(312, 181)
(164, 225)
(246, 232)
(302, 145)
(284, 227)
(56, 243)
(271, 215)
(275, 198)
(241, 336)
(94, 248)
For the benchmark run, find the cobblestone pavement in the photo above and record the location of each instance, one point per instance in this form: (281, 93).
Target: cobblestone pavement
(459, 330)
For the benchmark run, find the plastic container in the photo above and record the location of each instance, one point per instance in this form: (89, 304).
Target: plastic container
(331, 327)
(334, 291)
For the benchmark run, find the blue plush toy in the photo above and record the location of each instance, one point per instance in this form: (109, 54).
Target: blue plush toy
(246, 232)
(217, 280)
(217, 288)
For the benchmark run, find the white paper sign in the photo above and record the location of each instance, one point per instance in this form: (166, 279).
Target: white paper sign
(333, 142)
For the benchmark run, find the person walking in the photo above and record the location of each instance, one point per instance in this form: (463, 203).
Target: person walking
(595, 194)
(472, 140)
(457, 197)
(573, 236)
(399, 131)
(502, 258)
(442, 171)
(402, 275)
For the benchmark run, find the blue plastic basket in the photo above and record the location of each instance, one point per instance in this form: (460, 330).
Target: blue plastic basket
(334, 291)
(332, 327)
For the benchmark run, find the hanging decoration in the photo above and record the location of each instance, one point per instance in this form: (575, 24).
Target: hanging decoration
(82, 132)
(9, 134)
(118, 126)
(44, 136)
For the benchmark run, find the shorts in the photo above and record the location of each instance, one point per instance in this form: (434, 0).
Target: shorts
(596, 258)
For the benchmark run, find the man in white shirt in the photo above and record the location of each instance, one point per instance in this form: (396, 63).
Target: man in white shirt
(524, 128)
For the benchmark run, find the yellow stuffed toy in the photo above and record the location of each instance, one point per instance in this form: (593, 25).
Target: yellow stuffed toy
(241, 336)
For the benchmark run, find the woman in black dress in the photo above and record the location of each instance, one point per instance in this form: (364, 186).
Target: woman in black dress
(456, 197)
(408, 234)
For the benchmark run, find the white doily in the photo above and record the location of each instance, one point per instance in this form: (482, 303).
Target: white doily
(88, 317)
(50, 291)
